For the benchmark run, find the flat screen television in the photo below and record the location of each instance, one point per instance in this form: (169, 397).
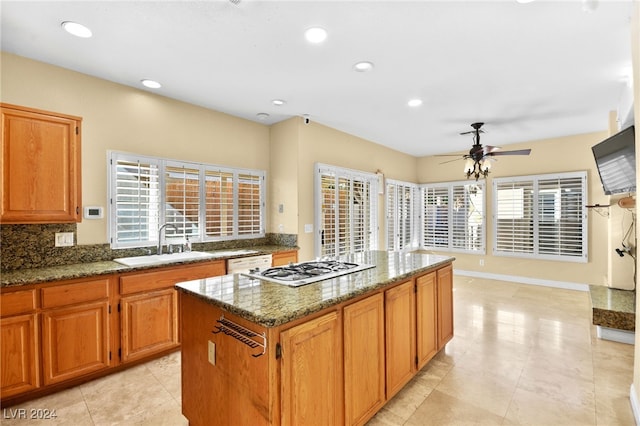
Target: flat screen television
(616, 161)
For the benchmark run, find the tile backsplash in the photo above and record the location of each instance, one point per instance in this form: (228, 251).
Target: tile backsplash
(33, 246)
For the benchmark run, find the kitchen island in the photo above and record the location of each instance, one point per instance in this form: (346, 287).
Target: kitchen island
(330, 352)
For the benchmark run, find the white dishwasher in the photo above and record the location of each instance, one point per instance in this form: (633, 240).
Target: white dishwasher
(245, 264)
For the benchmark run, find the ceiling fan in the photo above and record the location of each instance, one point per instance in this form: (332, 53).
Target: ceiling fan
(479, 157)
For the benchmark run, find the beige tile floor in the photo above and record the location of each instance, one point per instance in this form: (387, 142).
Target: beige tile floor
(521, 355)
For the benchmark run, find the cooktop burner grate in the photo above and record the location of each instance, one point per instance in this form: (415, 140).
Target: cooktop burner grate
(308, 272)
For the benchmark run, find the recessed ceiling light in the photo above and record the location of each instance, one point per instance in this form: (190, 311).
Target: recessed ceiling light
(525, 1)
(278, 102)
(151, 84)
(363, 66)
(315, 35)
(262, 116)
(76, 29)
(415, 102)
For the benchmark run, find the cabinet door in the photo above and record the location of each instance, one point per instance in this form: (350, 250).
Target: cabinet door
(445, 305)
(19, 355)
(312, 379)
(75, 341)
(149, 323)
(426, 318)
(364, 359)
(40, 167)
(400, 327)
(284, 258)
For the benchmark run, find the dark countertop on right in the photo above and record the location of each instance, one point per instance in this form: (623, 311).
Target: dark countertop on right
(613, 308)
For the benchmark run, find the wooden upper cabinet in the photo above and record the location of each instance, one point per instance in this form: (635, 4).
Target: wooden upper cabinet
(40, 167)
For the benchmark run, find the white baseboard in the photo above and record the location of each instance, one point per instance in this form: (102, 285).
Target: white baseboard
(524, 280)
(635, 406)
(615, 335)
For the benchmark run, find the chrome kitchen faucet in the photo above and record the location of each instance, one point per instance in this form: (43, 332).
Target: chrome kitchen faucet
(159, 251)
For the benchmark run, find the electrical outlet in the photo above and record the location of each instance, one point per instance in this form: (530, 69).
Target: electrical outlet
(64, 239)
(481, 262)
(211, 352)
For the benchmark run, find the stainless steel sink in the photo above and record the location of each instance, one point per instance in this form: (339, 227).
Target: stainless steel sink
(156, 259)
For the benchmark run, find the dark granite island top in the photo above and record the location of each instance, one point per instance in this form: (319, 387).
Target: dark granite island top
(270, 304)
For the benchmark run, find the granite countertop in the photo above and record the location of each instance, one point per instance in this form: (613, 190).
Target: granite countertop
(82, 270)
(613, 308)
(270, 304)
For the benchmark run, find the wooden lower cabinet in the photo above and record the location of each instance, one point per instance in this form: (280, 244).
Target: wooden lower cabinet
(426, 318)
(19, 354)
(75, 341)
(312, 380)
(149, 319)
(445, 305)
(364, 362)
(149, 323)
(282, 258)
(400, 330)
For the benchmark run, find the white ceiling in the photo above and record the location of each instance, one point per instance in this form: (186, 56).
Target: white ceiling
(529, 71)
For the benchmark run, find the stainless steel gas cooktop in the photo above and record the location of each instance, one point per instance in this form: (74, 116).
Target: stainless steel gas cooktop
(295, 275)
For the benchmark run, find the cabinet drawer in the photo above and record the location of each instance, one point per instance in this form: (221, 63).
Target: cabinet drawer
(17, 302)
(69, 294)
(169, 277)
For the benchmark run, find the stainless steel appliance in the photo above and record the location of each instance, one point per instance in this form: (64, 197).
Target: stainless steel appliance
(295, 275)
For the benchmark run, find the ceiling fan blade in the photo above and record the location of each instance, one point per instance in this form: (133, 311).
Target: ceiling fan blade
(488, 149)
(515, 152)
(451, 161)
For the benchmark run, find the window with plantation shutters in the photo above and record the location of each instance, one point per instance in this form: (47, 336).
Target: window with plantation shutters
(401, 199)
(203, 202)
(541, 216)
(135, 200)
(182, 199)
(346, 212)
(453, 217)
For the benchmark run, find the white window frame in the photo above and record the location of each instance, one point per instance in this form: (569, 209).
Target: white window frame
(571, 180)
(449, 242)
(370, 180)
(401, 235)
(157, 214)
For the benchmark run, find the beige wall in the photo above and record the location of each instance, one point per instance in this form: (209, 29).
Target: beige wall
(121, 118)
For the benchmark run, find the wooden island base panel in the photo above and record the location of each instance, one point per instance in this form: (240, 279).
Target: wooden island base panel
(327, 353)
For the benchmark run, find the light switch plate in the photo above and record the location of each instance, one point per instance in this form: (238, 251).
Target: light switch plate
(64, 239)
(308, 228)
